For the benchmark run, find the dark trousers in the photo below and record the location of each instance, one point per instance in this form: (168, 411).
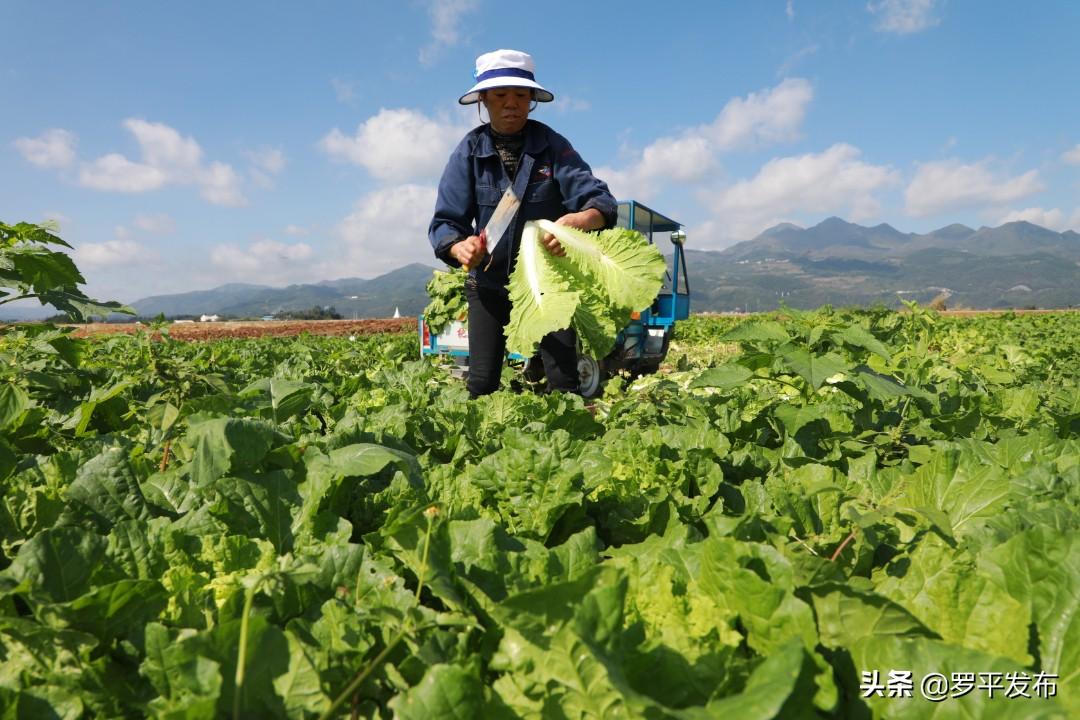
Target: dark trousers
(489, 312)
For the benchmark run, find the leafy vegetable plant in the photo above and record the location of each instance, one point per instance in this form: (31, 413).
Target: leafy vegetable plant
(322, 528)
(594, 288)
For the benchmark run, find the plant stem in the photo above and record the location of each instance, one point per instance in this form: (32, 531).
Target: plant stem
(241, 658)
(350, 691)
(5, 301)
(165, 456)
(843, 545)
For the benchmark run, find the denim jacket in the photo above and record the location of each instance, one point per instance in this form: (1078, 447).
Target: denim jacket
(551, 181)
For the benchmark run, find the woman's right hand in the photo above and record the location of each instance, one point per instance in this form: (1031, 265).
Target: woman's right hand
(469, 252)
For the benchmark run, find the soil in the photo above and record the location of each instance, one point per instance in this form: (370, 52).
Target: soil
(252, 329)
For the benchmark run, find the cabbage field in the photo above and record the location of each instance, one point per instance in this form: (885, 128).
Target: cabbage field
(861, 514)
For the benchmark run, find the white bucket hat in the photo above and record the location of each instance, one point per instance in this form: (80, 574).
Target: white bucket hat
(505, 68)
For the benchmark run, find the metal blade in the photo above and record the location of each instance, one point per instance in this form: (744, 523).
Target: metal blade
(500, 220)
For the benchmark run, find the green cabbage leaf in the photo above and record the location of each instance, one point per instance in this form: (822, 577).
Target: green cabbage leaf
(603, 278)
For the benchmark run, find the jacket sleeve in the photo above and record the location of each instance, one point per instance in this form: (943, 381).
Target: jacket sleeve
(455, 205)
(581, 189)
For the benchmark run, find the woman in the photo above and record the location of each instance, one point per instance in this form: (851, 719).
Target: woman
(553, 182)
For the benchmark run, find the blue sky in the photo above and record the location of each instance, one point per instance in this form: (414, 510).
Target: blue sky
(185, 145)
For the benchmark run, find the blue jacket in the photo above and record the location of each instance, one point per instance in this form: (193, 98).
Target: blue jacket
(552, 180)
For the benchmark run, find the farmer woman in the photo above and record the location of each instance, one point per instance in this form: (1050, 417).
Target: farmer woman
(553, 183)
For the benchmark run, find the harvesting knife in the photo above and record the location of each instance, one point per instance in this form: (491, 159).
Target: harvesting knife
(500, 221)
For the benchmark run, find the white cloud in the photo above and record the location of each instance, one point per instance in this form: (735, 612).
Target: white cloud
(790, 9)
(220, 185)
(387, 229)
(904, 16)
(54, 148)
(296, 231)
(56, 219)
(166, 158)
(160, 224)
(446, 17)
(832, 182)
(795, 59)
(164, 148)
(566, 104)
(114, 172)
(1053, 219)
(949, 185)
(765, 117)
(1072, 157)
(109, 254)
(397, 145)
(266, 163)
(768, 116)
(265, 261)
(269, 160)
(678, 159)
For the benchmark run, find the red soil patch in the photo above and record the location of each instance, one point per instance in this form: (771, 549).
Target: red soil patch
(253, 329)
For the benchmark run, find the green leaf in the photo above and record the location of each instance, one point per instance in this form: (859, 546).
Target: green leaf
(268, 657)
(224, 445)
(532, 482)
(105, 492)
(958, 484)
(860, 337)
(883, 387)
(188, 684)
(757, 331)
(33, 650)
(796, 417)
(13, 403)
(328, 477)
(948, 594)
(299, 686)
(620, 262)
(813, 368)
(136, 548)
(846, 614)
(1041, 569)
(923, 656)
(541, 300)
(447, 691)
(602, 278)
(58, 562)
(261, 506)
(569, 678)
(42, 702)
(767, 692)
(288, 398)
(111, 610)
(723, 376)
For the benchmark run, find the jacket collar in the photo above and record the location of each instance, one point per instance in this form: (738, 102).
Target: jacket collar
(536, 139)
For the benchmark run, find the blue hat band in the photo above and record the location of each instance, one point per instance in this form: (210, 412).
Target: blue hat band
(505, 72)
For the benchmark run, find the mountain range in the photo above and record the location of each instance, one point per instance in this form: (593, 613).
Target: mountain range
(1015, 265)
(401, 289)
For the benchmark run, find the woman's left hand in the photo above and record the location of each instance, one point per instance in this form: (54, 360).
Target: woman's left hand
(590, 219)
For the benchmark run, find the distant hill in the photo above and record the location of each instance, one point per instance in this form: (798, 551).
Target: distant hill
(1015, 265)
(401, 289)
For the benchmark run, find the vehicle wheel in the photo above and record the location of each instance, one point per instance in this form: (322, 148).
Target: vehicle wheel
(533, 370)
(590, 376)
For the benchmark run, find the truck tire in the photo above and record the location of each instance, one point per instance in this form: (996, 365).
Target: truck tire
(591, 376)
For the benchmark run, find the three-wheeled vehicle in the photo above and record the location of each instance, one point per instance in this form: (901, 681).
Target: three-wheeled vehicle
(640, 347)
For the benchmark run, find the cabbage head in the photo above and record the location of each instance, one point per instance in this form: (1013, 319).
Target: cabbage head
(604, 277)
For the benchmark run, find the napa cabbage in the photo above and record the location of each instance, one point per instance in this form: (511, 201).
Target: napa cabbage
(603, 278)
